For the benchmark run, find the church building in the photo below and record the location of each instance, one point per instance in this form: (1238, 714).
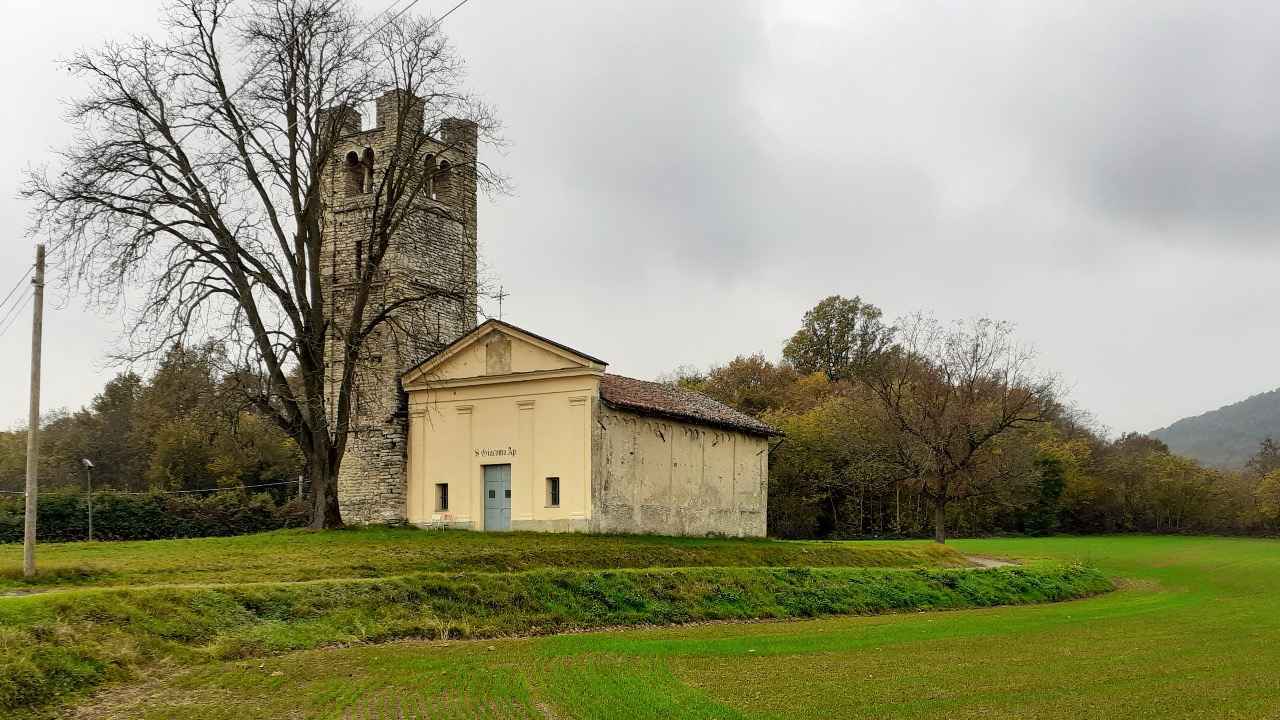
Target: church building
(493, 427)
(511, 431)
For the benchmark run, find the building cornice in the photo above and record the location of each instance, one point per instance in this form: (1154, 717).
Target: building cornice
(429, 385)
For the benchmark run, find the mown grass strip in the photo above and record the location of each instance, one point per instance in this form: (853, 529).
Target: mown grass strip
(294, 555)
(59, 643)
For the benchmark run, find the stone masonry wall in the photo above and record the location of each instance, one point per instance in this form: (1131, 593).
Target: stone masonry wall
(431, 261)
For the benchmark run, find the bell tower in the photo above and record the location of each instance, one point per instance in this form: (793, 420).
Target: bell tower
(425, 285)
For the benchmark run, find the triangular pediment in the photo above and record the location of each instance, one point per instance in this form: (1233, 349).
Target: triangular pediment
(496, 349)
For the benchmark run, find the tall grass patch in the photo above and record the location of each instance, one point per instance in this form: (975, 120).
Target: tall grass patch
(61, 642)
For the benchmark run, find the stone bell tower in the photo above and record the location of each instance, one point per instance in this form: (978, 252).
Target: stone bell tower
(426, 283)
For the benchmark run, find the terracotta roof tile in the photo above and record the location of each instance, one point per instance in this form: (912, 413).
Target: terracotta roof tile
(651, 398)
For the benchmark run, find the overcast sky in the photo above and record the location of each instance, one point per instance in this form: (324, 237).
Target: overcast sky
(691, 176)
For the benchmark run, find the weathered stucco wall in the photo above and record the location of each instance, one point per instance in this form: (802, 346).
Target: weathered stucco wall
(652, 475)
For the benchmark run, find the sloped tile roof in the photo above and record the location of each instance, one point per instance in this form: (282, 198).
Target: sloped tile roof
(662, 400)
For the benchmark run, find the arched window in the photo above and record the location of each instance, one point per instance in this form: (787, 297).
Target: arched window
(428, 172)
(355, 174)
(440, 181)
(368, 169)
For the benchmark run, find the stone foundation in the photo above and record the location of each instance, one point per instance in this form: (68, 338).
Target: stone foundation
(371, 481)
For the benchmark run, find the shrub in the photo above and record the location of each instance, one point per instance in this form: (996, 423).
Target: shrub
(120, 516)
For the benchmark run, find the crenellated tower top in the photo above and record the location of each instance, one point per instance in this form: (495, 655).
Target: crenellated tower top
(426, 280)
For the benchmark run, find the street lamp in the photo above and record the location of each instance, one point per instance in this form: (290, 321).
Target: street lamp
(88, 474)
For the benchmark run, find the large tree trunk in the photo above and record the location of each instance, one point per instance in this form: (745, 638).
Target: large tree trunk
(323, 475)
(940, 520)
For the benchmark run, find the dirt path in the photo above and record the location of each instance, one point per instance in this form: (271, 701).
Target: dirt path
(988, 562)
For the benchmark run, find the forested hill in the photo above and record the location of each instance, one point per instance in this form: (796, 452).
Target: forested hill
(1229, 436)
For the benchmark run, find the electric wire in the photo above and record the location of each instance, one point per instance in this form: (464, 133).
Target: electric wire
(17, 285)
(14, 313)
(170, 492)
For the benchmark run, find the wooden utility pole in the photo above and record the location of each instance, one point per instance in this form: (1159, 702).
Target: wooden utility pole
(33, 420)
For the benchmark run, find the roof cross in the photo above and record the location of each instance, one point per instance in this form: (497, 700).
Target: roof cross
(502, 295)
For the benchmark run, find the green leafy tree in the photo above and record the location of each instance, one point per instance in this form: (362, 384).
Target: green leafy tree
(182, 457)
(833, 462)
(183, 428)
(1042, 516)
(837, 337)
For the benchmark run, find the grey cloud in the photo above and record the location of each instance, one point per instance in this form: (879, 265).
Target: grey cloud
(635, 130)
(1164, 114)
(691, 176)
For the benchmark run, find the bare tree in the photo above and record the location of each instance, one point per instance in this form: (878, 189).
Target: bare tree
(197, 178)
(951, 392)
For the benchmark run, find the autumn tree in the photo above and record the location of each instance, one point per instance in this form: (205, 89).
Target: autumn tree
(1266, 460)
(750, 383)
(200, 433)
(196, 177)
(1268, 499)
(836, 457)
(838, 337)
(952, 392)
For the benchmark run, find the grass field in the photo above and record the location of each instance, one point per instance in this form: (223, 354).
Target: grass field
(1194, 632)
(299, 555)
(111, 612)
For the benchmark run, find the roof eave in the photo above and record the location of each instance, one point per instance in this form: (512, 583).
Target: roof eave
(766, 431)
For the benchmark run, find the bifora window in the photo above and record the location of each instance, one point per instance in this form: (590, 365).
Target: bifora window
(442, 497)
(553, 492)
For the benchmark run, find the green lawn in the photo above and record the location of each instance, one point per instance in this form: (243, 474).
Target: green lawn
(112, 612)
(1194, 632)
(299, 555)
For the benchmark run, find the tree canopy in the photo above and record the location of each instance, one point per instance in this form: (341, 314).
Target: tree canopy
(951, 426)
(837, 337)
(196, 178)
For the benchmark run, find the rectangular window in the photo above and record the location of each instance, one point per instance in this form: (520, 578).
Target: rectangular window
(442, 497)
(553, 492)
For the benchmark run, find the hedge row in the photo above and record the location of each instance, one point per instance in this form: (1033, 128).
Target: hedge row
(118, 516)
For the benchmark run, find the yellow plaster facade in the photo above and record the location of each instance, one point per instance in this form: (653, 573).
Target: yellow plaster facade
(503, 397)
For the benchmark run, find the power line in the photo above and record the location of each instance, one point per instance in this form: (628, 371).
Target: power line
(17, 285)
(14, 313)
(172, 492)
(447, 14)
(212, 489)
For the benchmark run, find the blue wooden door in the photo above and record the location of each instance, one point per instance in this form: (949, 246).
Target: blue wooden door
(497, 497)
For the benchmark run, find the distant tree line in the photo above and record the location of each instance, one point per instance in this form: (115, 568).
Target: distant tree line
(911, 429)
(924, 427)
(186, 427)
